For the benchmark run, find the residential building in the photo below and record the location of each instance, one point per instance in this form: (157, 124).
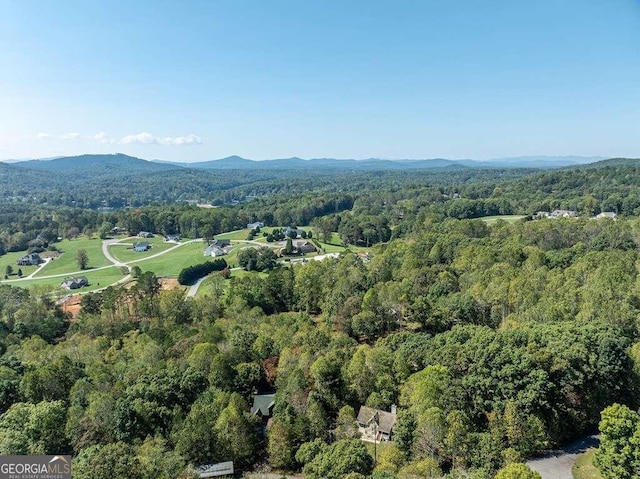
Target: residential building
(256, 225)
(607, 214)
(75, 283)
(563, 214)
(214, 251)
(303, 246)
(263, 405)
(221, 243)
(145, 234)
(141, 246)
(376, 425)
(29, 260)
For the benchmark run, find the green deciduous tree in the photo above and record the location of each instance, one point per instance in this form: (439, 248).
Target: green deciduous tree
(82, 259)
(517, 471)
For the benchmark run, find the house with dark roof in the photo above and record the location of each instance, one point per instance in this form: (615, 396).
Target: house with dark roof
(172, 238)
(29, 260)
(221, 243)
(75, 283)
(141, 246)
(145, 234)
(263, 405)
(304, 246)
(376, 425)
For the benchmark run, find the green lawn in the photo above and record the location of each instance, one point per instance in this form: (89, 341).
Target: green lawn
(170, 264)
(234, 235)
(508, 218)
(335, 245)
(97, 279)
(124, 251)
(584, 468)
(66, 262)
(10, 259)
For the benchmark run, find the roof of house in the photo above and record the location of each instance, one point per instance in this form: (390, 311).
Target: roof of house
(141, 244)
(262, 403)
(78, 280)
(213, 249)
(384, 419)
(607, 214)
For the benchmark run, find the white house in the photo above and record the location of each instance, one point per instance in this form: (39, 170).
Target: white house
(214, 251)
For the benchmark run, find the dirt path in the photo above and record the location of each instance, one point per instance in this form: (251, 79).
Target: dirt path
(558, 464)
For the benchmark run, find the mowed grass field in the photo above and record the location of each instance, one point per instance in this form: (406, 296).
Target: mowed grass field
(66, 262)
(171, 263)
(508, 218)
(234, 235)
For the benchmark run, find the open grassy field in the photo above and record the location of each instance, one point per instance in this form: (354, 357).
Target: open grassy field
(335, 245)
(66, 262)
(171, 263)
(97, 279)
(508, 218)
(234, 235)
(10, 259)
(124, 251)
(584, 468)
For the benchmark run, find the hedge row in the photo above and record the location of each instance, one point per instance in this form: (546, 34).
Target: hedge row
(192, 273)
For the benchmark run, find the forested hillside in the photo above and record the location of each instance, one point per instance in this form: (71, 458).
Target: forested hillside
(494, 342)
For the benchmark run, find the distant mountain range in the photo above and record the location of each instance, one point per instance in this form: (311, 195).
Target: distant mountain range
(237, 162)
(104, 164)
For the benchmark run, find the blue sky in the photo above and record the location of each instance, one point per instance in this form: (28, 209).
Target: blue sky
(198, 80)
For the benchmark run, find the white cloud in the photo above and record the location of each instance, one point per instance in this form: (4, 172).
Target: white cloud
(70, 136)
(44, 136)
(103, 138)
(145, 138)
(182, 140)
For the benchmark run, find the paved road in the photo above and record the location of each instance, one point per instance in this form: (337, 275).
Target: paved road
(105, 251)
(558, 464)
(193, 289)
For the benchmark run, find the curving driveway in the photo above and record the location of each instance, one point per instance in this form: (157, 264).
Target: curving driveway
(558, 464)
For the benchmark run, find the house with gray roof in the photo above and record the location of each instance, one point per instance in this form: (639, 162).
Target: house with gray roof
(376, 425)
(141, 246)
(75, 283)
(30, 259)
(263, 405)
